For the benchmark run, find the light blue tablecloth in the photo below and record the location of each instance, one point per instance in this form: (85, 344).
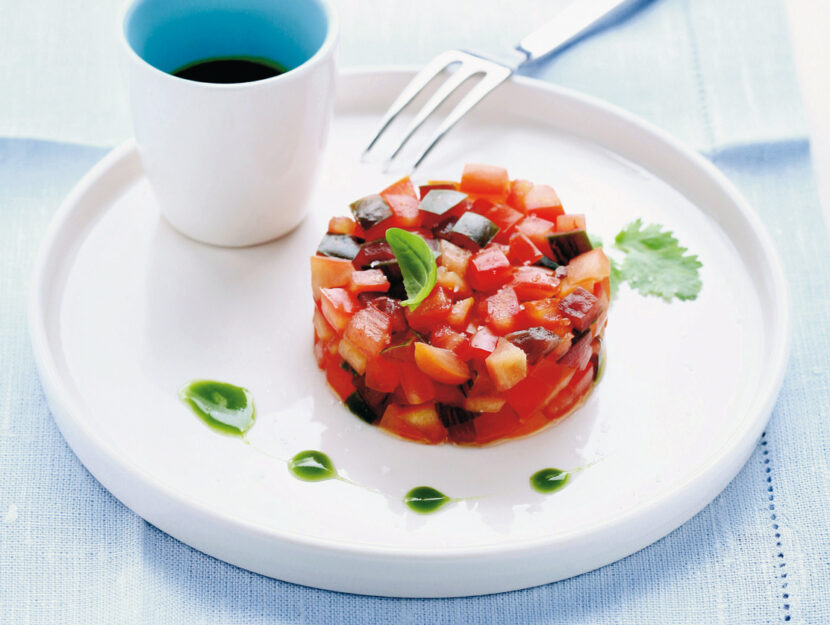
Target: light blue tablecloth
(716, 74)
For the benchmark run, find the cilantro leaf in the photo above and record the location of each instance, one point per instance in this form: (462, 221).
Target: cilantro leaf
(656, 264)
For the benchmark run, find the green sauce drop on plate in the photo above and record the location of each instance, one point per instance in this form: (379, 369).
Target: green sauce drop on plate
(549, 480)
(312, 466)
(223, 406)
(425, 499)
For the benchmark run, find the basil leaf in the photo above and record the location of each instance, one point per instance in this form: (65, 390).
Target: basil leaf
(417, 264)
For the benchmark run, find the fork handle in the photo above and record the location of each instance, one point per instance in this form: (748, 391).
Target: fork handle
(574, 20)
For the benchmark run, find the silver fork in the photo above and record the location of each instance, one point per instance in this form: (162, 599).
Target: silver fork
(568, 25)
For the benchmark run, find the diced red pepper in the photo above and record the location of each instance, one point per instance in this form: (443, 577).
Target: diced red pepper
(531, 283)
(485, 180)
(433, 311)
(522, 250)
(488, 270)
(501, 311)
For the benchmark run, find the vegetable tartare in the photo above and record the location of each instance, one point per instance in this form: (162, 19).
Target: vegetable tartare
(467, 312)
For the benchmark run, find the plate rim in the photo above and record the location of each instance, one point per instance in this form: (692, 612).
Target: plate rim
(724, 463)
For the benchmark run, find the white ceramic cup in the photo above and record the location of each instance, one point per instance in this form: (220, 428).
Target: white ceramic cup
(231, 164)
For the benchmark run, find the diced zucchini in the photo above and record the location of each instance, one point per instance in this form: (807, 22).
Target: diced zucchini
(567, 245)
(546, 262)
(360, 408)
(370, 210)
(339, 246)
(473, 231)
(439, 201)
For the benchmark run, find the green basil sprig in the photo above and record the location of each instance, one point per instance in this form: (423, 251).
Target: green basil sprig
(417, 264)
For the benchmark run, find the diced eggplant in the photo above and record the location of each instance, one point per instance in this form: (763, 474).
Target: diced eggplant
(440, 201)
(434, 246)
(387, 305)
(370, 210)
(361, 408)
(339, 246)
(473, 231)
(372, 252)
(536, 342)
(444, 229)
(459, 423)
(579, 355)
(567, 245)
(547, 262)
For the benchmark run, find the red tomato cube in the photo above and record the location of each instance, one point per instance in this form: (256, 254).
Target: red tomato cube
(522, 250)
(488, 270)
(485, 180)
(337, 306)
(531, 283)
(383, 374)
(369, 330)
(566, 223)
(543, 201)
(327, 272)
(537, 230)
(501, 311)
(433, 311)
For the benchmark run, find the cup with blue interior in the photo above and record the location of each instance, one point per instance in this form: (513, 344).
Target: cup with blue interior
(231, 103)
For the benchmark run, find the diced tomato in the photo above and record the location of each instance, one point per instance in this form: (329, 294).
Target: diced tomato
(383, 374)
(481, 345)
(543, 202)
(342, 225)
(534, 283)
(530, 424)
(449, 394)
(485, 180)
(337, 306)
(501, 310)
(536, 390)
(566, 223)
(339, 379)
(320, 353)
(496, 425)
(402, 350)
(501, 215)
(353, 355)
(436, 184)
(518, 190)
(453, 282)
(522, 250)
(602, 291)
(489, 269)
(403, 200)
(581, 307)
(537, 230)
(327, 272)
(586, 269)
(454, 258)
(447, 338)
(368, 280)
(369, 329)
(420, 423)
(568, 398)
(322, 328)
(415, 384)
(432, 311)
(460, 313)
(545, 313)
(507, 365)
(442, 365)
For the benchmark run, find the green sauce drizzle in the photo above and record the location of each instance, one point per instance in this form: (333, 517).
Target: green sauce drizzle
(425, 499)
(549, 480)
(223, 406)
(312, 466)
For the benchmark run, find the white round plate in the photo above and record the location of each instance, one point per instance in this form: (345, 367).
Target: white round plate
(125, 311)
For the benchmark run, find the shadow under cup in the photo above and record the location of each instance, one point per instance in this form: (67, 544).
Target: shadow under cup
(169, 34)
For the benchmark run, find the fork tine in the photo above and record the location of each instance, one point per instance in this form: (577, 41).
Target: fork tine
(492, 79)
(421, 79)
(443, 92)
